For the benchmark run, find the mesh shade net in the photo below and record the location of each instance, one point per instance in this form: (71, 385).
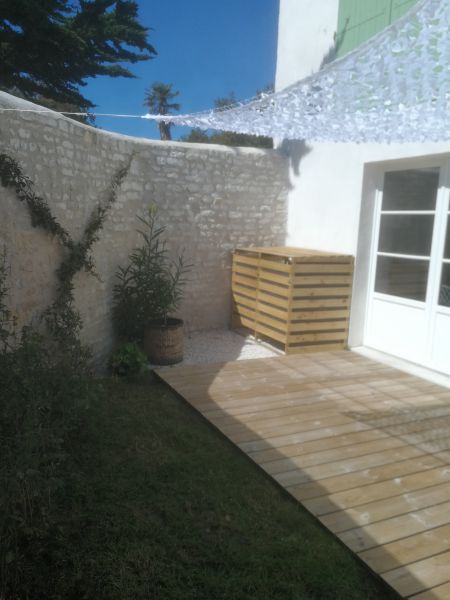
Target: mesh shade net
(393, 88)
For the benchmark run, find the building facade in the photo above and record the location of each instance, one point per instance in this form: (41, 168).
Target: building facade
(388, 205)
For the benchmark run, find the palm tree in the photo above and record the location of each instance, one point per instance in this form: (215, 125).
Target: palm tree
(157, 99)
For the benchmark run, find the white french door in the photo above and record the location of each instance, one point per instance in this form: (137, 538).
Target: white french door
(409, 298)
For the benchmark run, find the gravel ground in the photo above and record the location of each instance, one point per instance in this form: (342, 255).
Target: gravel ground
(220, 345)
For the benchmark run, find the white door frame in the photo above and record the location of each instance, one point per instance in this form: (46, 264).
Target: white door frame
(430, 307)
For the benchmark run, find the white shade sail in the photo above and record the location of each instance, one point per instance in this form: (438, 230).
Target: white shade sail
(393, 88)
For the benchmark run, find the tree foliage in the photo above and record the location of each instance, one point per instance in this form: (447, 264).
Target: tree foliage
(49, 47)
(158, 100)
(230, 138)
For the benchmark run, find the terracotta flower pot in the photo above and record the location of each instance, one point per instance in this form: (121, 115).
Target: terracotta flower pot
(163, 341)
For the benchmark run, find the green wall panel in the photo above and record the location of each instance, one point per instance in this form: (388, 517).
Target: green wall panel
(359, 20)
(399, 7)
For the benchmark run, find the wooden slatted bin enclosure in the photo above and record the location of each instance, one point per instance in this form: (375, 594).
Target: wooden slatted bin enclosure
(298, 298)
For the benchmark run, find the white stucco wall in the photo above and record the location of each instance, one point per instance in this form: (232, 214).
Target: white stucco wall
(328, 181)
(305, 35)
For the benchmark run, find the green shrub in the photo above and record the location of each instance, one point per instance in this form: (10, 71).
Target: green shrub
(151, 286)
(43, 396)
(128, 360)
(7, 321)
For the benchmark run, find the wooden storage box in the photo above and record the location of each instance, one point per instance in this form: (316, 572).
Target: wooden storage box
(298, 298)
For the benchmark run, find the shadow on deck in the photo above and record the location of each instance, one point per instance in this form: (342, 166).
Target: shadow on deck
(364, 447)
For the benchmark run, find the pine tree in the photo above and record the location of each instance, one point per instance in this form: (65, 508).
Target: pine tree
(48, 48)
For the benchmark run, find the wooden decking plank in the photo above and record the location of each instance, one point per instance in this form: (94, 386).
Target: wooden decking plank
(419, 576)
(379, 491)
(380, 510)
(336, 441)
(350, 481)
(259, 406)
(348, 466)
(305, 436)
(294, 423)
(364, 447)
(283, 465)
(440, 592)
(408, 550)
(383, 532)
(278, 411)
(240, 434)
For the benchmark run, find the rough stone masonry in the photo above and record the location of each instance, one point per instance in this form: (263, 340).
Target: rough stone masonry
(211, 199)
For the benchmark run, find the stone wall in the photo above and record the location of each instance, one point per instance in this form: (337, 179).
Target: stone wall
(211, 198)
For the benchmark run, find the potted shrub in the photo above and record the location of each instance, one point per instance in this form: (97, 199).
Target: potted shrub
(148, 291)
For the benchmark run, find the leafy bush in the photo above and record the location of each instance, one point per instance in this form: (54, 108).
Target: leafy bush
(43, 396)
(45, 387)
(128, 360)
(7, 321)
(151, 286)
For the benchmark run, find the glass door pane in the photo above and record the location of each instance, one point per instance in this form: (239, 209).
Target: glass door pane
(406, 233)
(413, 189)
(402, 277)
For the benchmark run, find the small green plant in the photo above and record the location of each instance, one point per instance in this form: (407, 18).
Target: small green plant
(128, 360)
(151, 286)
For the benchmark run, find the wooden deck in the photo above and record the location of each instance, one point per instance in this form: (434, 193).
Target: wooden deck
(363, 447)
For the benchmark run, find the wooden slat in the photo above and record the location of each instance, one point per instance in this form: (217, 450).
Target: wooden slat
(440, 592)
(378, 491)
(316, 337)
(281, 302)
(246, 260)
(333, 485)
(245, 312)
(315, 303)
(362, 538)
(408, 550)
(269, 276)
(417, 577)
(244, 291)
(381, 509)
(347, 466)
(319, 268)
(275, 265)
(244, 300)
(245, 271)
(245, 281)
(291, 252)
(323, 445)
(272, 333)
(306, 349)
(320, 291)
(265, 319)
(307, 326)
(279, 290)
(315, 315)
(283, 465)
(279, 313)
(318, 280)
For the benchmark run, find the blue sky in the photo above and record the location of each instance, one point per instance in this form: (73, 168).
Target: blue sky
(206, 49)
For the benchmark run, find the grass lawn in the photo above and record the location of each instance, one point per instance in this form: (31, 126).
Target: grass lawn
(162, 507)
